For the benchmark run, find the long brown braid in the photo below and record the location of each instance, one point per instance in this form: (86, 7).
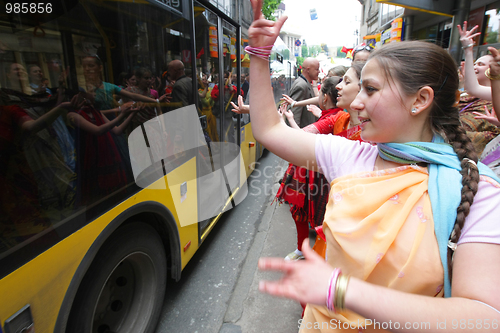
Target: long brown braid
(414, 65)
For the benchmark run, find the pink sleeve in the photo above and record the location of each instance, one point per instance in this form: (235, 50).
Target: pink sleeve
(154, 93)
(482, 224)
(337, 156)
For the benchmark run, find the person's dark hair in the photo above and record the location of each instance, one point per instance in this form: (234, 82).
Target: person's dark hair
(337, 71)
(418, 64)
(141, 72)
(124, 77)
(358, 67)
(328, 87)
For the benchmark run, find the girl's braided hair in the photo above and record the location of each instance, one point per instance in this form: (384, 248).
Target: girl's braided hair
(416, 64)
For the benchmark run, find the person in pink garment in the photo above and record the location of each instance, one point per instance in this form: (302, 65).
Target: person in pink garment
(411, 223)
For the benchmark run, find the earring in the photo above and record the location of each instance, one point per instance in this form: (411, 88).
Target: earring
(414, 110)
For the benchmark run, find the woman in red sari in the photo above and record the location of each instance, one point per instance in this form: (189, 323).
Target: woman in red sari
(307, 191)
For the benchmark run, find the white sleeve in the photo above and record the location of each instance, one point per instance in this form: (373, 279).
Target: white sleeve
(482, 224)
(337, 156)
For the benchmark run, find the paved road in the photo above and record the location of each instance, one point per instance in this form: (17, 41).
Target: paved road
(218, 289)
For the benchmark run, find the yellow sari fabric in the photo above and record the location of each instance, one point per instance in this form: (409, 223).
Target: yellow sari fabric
(379, 228)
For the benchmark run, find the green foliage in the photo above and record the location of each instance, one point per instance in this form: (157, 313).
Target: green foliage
(305, 51)
(314, 50)
(286, 54)
(300, 61)
(269, 7)
(492, 37)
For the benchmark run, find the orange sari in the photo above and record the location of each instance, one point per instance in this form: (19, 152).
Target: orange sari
(388, 240)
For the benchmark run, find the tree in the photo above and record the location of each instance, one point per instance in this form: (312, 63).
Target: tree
(305, 51)
(286, 54)
(324, 47)
(269, 7)
(314, 50)
(300, 61)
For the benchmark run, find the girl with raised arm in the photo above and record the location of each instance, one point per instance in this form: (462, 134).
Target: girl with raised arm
(474, 105)
(397, 210)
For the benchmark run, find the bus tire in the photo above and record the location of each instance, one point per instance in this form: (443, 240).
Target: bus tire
(124, 288)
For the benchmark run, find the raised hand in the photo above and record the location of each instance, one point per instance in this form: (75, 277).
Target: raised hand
(287, 100)
(241, 108)
(495, 64)
(128, 107)
(467, 37)
(316, 111)
(489, 116)
(263, 32)
(281, 110)
(305, 280)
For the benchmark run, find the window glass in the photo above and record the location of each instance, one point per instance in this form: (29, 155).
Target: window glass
(492, 18)
(71, 91)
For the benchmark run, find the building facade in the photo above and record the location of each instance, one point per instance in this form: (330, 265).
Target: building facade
(383, 22)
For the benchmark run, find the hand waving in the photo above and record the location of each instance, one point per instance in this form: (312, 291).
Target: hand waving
(305, 280)
(241, 108)
(489, 116)
(287, 99)
(316, 111)
(494, 65)
(263, 32)
(467, 37)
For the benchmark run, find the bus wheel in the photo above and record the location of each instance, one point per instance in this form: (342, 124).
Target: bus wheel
(123, 289)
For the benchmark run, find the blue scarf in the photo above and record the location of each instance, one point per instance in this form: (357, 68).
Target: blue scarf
(444, 187)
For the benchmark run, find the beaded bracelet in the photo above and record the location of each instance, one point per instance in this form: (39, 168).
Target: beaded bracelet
(487, 73)
(331, 286)
(262, 52)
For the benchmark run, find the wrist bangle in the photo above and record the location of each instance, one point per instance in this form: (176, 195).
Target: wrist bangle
(330, 293)
(157, 100)
(487, 73)
(340, 291)
(468, 46)
(293, 103)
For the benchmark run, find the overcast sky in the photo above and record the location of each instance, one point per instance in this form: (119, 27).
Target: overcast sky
(336, 23)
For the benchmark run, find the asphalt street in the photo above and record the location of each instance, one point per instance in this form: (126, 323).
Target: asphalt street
(218, 291)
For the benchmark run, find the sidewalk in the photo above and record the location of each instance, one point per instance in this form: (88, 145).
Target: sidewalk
(249, 310)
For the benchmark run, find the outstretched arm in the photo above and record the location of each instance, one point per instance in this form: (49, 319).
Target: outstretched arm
(471, 84)
(290, 101)
(470, 309)
(294, 146)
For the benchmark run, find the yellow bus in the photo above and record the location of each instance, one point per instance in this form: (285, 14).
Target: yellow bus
(119, 153)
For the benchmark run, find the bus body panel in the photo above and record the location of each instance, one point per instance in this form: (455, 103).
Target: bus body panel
(45, 292)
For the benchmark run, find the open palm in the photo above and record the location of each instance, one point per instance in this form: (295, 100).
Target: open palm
(263, 32)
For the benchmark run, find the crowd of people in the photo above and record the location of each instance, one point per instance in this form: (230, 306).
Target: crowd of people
(64, 149)
(409, 220)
